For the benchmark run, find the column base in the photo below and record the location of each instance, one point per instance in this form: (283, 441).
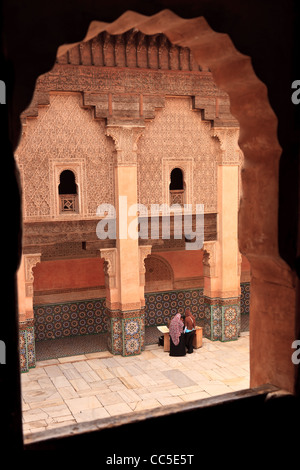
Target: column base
(222, 319)
(27, 345)
(126, 335)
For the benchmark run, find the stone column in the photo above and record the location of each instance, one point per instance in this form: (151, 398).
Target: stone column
(125, 296)
(221, 261)
(25, 280)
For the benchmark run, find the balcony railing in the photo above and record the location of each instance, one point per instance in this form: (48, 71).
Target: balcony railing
(68, 203)
(177, 196)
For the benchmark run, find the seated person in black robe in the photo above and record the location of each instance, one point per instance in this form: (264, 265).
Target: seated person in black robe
(177, 337)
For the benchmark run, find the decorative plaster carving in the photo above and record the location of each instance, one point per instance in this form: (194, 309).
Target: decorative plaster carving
(125, 138)
(209, 259)
(30, 261)
(110, 259)
(64, 136)
(144, 251)
(178, 136)
(230, 150)
(158, 270)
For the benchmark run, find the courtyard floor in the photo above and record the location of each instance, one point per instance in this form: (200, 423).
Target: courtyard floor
(70, 390)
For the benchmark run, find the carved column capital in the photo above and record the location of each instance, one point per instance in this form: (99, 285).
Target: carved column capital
(209, 259)
(144, 251)
(110, 259)
(30, 261)
(125, 138)
(228, 138)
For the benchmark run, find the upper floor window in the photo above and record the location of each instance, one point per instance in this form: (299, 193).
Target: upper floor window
(176, 187)
(67, 190)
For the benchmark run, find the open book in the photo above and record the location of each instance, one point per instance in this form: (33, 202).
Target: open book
(163, 329)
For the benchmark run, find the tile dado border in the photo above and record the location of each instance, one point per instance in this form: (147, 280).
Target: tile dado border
(162, 306)
(63, 319)
(27, 345)
(127, 332)
(222, 318)
(126, 329)
(245, 298)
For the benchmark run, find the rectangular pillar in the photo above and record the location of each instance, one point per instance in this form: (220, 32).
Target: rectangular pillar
(222, 263)
(124, 264)
(25, 279)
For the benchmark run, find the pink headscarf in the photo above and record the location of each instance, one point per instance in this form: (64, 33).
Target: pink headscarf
(176, 328)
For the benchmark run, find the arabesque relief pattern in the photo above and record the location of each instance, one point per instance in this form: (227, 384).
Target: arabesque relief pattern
(178, 133)
(64, 132)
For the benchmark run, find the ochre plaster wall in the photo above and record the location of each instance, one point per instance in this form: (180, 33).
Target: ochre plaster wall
(184, 264)
(88, 272)
(68, 274)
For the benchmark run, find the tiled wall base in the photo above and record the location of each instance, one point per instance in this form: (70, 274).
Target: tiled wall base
(162, 306)
(245, 298)
(127, 332)
(222, 319)
(64, 319)
(27, 346)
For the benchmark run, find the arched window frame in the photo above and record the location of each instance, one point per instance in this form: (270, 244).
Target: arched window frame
(78, 168)
(186, 166)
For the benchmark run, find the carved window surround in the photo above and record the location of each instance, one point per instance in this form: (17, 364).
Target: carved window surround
(186, 165)
(77, 166)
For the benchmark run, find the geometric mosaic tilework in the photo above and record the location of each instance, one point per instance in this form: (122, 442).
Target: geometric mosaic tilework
(162, 306)
(70, 319)
(127, 335)
(245, 298)
(26, 346)
(222, 319)
(126, 330)
(23, 351)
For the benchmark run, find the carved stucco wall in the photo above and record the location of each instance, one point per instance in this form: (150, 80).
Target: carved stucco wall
(178, 137)
(131, 76)
(64, 136)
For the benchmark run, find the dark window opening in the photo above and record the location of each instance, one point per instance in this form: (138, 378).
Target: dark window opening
(67, 190)
(176, 179)
(176, 187)
(67, 183)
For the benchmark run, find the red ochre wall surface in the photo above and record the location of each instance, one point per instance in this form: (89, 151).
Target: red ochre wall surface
(188, 264)
(68, 274)
(88, 272)
(185, 264)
